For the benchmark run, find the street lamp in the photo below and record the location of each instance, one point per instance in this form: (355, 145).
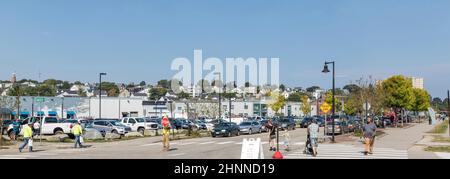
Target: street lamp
(220, 96)
(100, 96)
(326, 70)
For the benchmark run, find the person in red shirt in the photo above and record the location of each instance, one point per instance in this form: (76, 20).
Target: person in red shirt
(166, 133)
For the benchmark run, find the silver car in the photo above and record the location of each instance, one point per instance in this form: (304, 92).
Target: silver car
(110, 126)
(250, 127)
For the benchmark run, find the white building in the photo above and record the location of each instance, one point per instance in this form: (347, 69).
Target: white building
(417, 82)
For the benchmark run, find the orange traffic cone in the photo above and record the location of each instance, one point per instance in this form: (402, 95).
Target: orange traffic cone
(278, 155)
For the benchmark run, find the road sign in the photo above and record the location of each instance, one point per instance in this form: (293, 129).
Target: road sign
(40, 100)
(325, 107)
(252, 149)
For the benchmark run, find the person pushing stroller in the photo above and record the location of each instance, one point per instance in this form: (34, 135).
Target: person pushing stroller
(312, 138)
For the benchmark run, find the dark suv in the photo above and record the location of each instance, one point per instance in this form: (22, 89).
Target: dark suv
(286, 123)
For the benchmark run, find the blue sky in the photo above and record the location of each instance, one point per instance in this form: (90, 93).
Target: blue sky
(137, 40)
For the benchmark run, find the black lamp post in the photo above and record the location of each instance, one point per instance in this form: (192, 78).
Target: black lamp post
(326, 70)
(100, 96)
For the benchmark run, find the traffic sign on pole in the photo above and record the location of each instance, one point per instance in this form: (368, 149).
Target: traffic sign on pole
(325, 107)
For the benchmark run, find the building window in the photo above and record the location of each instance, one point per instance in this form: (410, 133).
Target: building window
(245, 106)
(232, 106)
(179, 108)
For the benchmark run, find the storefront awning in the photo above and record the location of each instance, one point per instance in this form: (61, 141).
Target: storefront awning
(40, 113)
(52, 113)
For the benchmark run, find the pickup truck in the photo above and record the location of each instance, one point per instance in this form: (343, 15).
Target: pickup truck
(48, 126)
(139, 124)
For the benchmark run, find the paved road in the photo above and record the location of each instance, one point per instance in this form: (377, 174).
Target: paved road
(150, 148)
(395, 145)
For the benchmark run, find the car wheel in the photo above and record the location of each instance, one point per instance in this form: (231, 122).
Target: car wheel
(214, 136)
(115, 132)
(141, 130)
(260, 131)
(229, 134)
(59, 132)
(250, 132)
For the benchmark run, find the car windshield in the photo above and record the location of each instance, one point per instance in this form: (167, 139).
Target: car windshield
(246, 124)
(140, 120)
(115, 123)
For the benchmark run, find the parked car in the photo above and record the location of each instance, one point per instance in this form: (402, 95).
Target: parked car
(48, 125)
(286, 123)
(110, 126)
(176, 123)
(305, 122)
(250, 127)
(139, 124)
(340, 127)
(226, 129)
(212, 124)
(264, 125)
(382, 121)
(354, 125)
(154, 120)
(5, 125)
(188, 123)
(201, 125)
(74, 121)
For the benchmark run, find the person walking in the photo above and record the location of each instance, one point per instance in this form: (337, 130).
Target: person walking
(37, 127)
(27, 137)
(166, 133)
(369, 130)
(272, 135)
(313, 133)
(77, 131)
(16, 129)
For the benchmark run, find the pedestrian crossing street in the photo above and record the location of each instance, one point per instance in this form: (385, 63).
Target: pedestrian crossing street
(339, 151)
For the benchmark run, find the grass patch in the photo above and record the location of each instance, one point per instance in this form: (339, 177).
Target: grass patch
(440, 128)
(438, 149)
(441, 139)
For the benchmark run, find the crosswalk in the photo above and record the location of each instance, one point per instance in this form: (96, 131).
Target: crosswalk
(339, 151)
(202, 143)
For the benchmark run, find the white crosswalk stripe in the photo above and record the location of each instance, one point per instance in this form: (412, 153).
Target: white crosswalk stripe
(337, 151)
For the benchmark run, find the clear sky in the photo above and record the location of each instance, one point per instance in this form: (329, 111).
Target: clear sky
(137, 40)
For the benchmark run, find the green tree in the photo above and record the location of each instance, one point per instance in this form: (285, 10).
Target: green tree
(352, 88)
(82, 93)
(65, 85)
(164, 84)
(183, 95)
(142, 83)
(296, 97)
(278, 102)
(353, 105)
(108, 87)
(282, 87)
(312, 89)
(421, 100)
(306, 107)
(329, 100)
(399, 92)
(157, 93)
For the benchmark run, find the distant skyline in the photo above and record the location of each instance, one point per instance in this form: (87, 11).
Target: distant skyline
(136, 41)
